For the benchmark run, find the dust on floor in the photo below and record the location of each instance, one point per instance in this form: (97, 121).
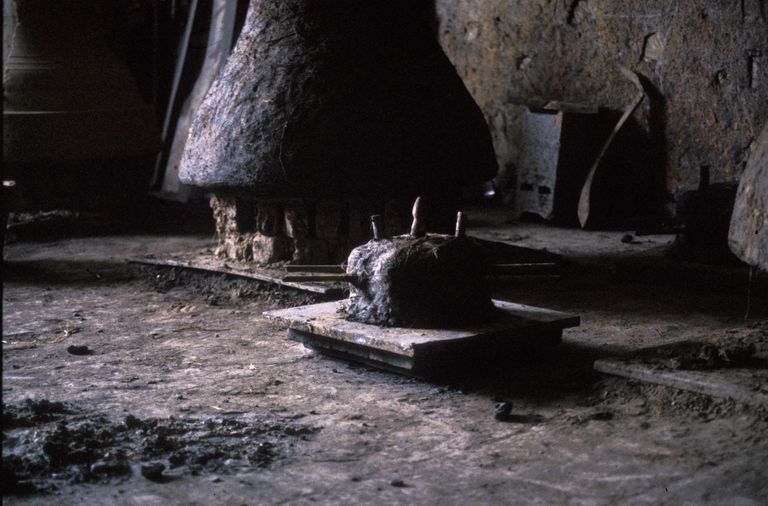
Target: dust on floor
(187, 383)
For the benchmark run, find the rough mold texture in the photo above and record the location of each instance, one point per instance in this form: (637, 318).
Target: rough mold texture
(229, 216)
(249, 232)
(435, 280)
(301, 231)
(312, 231)
(336, 97)
(748, 235)
(704, 65)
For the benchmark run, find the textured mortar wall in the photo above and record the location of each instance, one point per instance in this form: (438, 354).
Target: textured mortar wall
(707, 59)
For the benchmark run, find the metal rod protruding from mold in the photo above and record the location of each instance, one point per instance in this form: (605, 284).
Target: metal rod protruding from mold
(376, 228)
(416, 226)
(461, 224)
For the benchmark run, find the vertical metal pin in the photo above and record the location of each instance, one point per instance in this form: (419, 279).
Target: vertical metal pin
(416, 226)
(461, 224)
(376, 227)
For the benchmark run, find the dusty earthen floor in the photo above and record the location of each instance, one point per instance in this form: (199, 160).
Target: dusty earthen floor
(347, 434)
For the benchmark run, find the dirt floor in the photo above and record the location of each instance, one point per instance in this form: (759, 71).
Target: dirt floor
(185, 394)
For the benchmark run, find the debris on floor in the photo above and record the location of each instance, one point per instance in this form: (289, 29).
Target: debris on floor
(174, 353)
(79, 350)
(47, 445)
(734, 366)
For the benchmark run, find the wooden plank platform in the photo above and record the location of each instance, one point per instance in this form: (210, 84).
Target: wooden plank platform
(210, 264)
(425, 351)
(743, 385)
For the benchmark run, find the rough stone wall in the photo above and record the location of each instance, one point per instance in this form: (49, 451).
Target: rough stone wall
(705, 60)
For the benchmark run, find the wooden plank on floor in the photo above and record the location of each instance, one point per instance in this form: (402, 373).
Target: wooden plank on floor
(518, 327)
(743, 385)
(271, 276)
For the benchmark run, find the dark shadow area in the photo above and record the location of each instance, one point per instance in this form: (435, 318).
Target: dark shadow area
(606, 289)
(66, 272)
(550, 374)
(699, 356)
(566, 371)
(138, 215)
(628, 184)
(547, 374)
(582, 138)
(528, 418)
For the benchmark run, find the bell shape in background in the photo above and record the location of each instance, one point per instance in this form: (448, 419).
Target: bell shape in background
(332, 98)
(65, 94)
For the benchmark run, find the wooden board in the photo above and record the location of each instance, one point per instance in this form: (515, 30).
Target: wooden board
(424, 350)
(211, 264)
(743, 385)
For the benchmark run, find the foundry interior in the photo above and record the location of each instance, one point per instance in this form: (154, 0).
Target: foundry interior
(385, 252)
